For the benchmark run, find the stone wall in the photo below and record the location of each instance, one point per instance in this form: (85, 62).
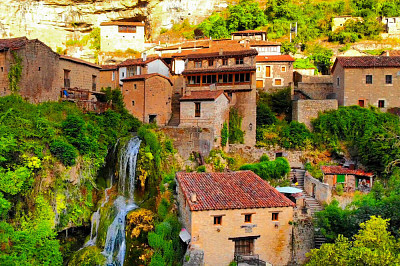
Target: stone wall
(275, 73)
(321, 191)
(187, 140)
(106, 79)
(304, 111)
(253, 154)
(81, 75)
(315, 87)
(112, 39)
(303, 239)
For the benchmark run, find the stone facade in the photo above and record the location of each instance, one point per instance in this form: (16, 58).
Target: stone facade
(109, 78)
(314, 87)
(115, 36)
(274, 73)
(39, 63)
(351, 87)
(81, 74)
(304, 111)
(148, 97)
(213, 113)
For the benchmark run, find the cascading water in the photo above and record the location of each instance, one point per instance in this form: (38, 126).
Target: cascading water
(114, 249)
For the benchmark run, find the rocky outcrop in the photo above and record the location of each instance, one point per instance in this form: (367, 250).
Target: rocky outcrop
(56, 21)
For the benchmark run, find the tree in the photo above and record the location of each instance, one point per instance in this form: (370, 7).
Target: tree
(215, 27)
(373, 245)
(321, 57)
(247, 15)
(264, 115)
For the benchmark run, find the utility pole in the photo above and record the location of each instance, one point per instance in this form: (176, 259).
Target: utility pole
(290, 32)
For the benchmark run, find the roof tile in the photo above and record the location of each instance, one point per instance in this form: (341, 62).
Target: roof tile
(232, 190)
(339, 170)
(203, 95)
(274, 58)
(13, 43)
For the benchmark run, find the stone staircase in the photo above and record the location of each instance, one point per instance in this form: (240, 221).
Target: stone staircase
(311, 203)
(176, 110)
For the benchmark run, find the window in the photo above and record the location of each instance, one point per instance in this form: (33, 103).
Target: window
(152, 119)
(67, 81)
(247, 218)
(361, 103)
(194, 80)
(127, 29)
(39, 69)
(381, 103)
(283, 69)
(113, 76)
(123, 74)
(338, 82)
(132, 71)
(278, 82)
(368, 79)
(209, 79)
(225, 78)
(242, 78)
(244, 246)
(94, 83)
(239, 61)
(389, 79)
(210, 62)
(267, 71)
(197, 64)
(224, 62)
(275, 216)
(217, 220)
(135, 86)
(197, 109)
(2, 69)
(260, 84)
(133, 103)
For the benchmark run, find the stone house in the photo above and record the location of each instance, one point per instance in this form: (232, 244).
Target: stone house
(44, 72)
(274, 72)
(109, 76)
(266, 47)
(39, 63)
(367, 80)
(338, 22)
(148, 97)
(77, 73)
(392, 25)
(142, 66)
(228, 66)
(351, 179)
(235, 216)
(205, 109)
(258, 35)
(120, 35)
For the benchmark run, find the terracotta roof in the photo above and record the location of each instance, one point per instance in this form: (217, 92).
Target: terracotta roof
(223, 49)
(144, 77)
(263, 43)
(108, 67)
(79, 61)
(13, 43)
(218, 70)
(138, 61)
(203, 96)
(367, 61)
(274, 58)
(248, 31)
(186, 45)
(339, 170)
(122, 23)
(232, 190)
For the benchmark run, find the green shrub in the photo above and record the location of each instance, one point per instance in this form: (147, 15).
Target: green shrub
(236, 135)
(295, 135)
(339, 189)
(224, 135)
(264, 158)
(264, 115)
(269, 170)
(201, 169)
(64, 151)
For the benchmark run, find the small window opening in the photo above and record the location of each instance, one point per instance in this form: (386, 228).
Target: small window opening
(217, 220)
(275, 216)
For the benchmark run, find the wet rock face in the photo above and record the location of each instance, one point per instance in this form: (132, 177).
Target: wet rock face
(56, 21)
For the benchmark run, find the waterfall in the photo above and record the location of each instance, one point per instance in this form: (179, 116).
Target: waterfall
(114, 249)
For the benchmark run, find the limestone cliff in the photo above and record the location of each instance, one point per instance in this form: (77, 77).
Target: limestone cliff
(56, 21)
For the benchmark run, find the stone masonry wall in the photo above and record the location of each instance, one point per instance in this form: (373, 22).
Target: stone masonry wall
(187, 140)
(322, 191)
(304, 111)
(80, 75)
(276, 73)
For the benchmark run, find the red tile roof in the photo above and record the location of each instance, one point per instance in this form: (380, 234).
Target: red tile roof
(367, 61)
(219, 70)
(144, 77)
(339, 170)
(122, 23)
(263, 43)
(274, 58)
(223, 49)
(13, 43)
(391, 53)
(109, 67)
(233, 190)
(79, 61)
(138, 61)
(203, 96)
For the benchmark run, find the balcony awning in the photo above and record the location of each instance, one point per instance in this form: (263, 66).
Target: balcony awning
(289, 190)
(185, 236)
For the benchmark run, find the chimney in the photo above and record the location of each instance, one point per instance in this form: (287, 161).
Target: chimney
(193, 197)
(221, 51)
(144, 56)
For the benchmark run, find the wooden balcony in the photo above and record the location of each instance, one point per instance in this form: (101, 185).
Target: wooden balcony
(88, 101)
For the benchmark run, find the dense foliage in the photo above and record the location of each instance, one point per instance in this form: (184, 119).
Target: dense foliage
(269, 170)
(372, 245)
(38, 146)
(236, 134)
